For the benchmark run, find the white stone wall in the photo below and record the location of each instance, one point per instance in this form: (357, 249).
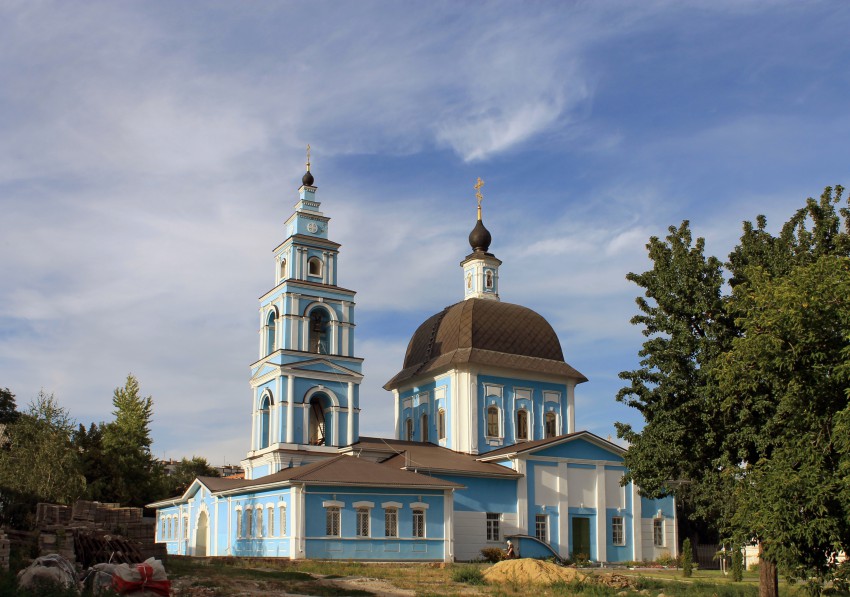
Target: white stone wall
(650, 550)
(470, 532)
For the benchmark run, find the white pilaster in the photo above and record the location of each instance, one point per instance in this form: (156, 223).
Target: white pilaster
(563, 511)
(637, 535)
(474, 422)
(601, 515)
(397, 409)
(290, 409)
(275, 414)
(522, 497)
(350, 421)
(448, 526)
(305, 433)
(571, 406)
(326, 267)
(335, 414)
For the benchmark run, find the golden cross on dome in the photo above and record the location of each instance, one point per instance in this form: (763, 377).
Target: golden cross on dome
(478, 195)
(308, 157)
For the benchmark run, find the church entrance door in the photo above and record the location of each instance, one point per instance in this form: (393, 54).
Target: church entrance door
(581, 537)
(201, 534)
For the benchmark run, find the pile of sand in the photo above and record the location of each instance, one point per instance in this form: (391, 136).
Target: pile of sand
(527, 571)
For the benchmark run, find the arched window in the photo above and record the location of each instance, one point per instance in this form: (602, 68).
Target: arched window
(493, 421)
(283, 269)
(265, 420)
(441, 424)
(424, 422)
(319, 337)
(488, 279)
(314, 267)
(271, 331)
(259, 532)
(408, 430)
(551, 425)
(238, 523)
(521, 425)
(249, 522)
(319, 407)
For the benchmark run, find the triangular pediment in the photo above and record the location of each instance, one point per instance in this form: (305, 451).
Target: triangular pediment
(322, 365)
(264, 369)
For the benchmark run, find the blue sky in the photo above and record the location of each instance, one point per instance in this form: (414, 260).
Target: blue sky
(150, 153)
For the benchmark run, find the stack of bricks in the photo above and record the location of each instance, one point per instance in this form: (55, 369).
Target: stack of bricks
(4, 551)
(59, 524)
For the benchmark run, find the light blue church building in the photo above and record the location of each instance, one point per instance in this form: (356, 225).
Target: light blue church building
(485, 447)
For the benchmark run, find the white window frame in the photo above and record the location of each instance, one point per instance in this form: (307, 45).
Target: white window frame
(498, 422)
(363, 519)
(249, 522)
(618, 530)
(554, 416)
(391, 510)
(526, 436)
(240, 524)
(493, 529)
(333, 517)
(541, 522)
(258, 521)
(658, 532)
(320, 266)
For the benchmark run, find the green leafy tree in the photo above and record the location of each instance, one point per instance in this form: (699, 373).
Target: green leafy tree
(737, 565)
(126, 445)
(8, 409)
(787, 373)
(40, 460)
(94, 464)
(720, 429)
(683, 317)
(687, 559)
(185, 472)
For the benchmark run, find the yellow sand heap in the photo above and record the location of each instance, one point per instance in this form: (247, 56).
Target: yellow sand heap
(528, 571)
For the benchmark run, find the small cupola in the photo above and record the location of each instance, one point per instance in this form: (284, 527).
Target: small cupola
(480, 268)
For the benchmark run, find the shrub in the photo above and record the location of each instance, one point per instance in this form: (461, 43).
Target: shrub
(665, 559)
(470, 575)
(491, 554)
(737, 565)
(687, 559)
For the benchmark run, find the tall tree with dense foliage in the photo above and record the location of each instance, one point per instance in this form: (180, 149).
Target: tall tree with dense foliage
(770, 395)
(8, 409)
(127, 446)
(39, 460)
(683, 317)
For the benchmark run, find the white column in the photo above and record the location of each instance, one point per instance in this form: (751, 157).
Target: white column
(448, 526)
(637, 535)
(397, 409)
(215, 535)
(344, 349)
(303, 260)
(522, 498)
(254, 439)
(571, 406)
(601, 515)
(325, 267)
(472, 388)
(334, 348)
(275, 414)
(331, 268)
(335, 414)
(350, 413)
(563, 511)
(290, 409)
(305, 434)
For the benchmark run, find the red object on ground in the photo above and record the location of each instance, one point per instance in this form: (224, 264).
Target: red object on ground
(146, 583)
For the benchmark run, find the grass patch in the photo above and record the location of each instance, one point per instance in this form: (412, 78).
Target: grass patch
(470, 575)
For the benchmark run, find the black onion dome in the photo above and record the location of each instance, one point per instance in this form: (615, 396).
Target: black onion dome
(485, 332)
(479, 238)
(307, 179)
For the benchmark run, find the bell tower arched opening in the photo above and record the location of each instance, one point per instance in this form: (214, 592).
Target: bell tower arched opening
(319, 422)
(319, 336)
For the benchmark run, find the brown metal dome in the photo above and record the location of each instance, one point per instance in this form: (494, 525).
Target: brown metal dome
(486, 332)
